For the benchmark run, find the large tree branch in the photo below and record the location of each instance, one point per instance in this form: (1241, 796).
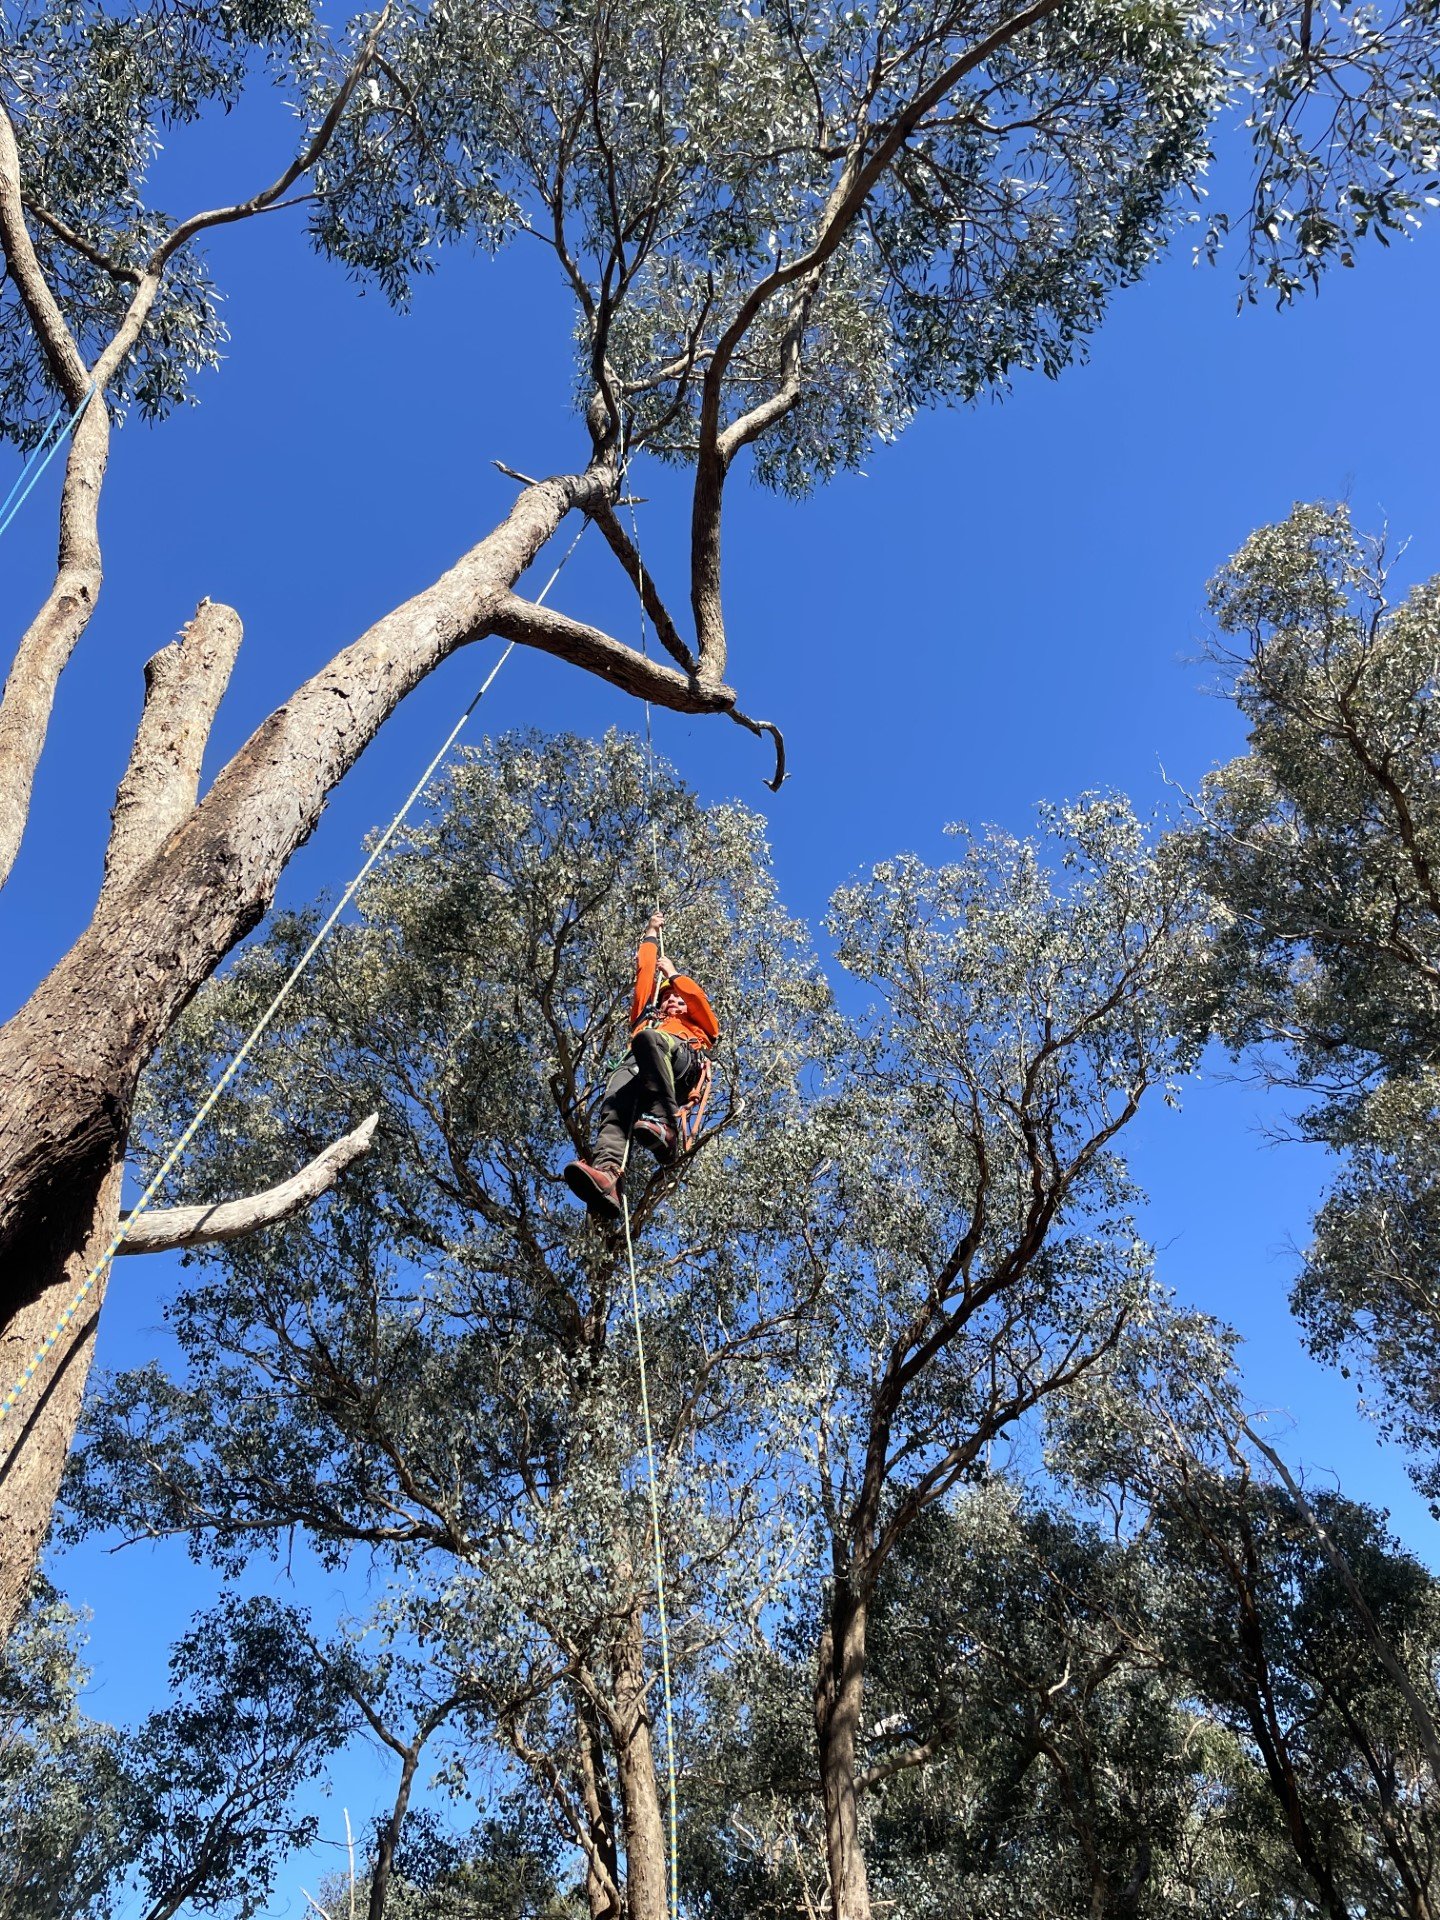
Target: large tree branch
(51, 636)
(47, 645)
(77, 243)
(864, 167)
(171, 1228)
(628, 554)
(42, 309)
(624, 667)
(66, 1077)
(184, 684)
(309, 155)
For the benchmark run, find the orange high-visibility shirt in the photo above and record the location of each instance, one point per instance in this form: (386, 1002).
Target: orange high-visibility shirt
(697, 1024)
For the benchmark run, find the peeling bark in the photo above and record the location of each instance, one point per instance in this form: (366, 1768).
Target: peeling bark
(169, 1229)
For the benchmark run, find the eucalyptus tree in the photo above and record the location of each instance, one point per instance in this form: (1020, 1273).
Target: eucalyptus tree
(1039, 1746)
(1079, 1772)
(1298, 1622)
(196, 1804)
(982, 1255)
(934, 197)
(436, 1369)
(1268, 1636)
(1321, 848)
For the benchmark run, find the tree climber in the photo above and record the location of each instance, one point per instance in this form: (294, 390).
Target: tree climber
(672, 1026)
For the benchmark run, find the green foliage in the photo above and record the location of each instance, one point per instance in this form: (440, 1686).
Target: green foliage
(1265, 1632)
(62, 1775)
(678, 156)
(438, 1364)
(1075, 1773)
(634, 140)
(193, 1806)
(506, 1869)
(1321, 847)
(900, 1262)
(1344, 125)
(91, 90)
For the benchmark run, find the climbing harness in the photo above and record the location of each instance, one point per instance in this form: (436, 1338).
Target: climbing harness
(20, 492)
(247, 1046)
(692, 1113)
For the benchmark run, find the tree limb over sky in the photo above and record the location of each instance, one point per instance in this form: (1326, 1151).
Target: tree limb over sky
(932, 198)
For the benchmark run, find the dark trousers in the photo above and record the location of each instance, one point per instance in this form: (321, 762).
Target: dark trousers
(656, 1078)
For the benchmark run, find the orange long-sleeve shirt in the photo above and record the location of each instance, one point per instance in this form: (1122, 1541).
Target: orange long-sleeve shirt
(697, 1024)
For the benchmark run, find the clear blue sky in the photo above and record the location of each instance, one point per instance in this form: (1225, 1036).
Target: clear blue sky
(1008, 606)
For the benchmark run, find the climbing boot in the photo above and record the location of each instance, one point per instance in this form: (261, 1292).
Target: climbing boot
(658, 1135)
(598, 1187)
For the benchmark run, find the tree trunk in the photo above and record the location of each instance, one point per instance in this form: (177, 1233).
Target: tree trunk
(35, 1439)
(640, 1809)
(390, 1833)
(602, 1899)
(839, 1697)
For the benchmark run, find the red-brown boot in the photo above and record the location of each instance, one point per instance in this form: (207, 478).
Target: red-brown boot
(598, 1187)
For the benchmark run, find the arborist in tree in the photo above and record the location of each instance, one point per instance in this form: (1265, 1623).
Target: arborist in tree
(672, 1027)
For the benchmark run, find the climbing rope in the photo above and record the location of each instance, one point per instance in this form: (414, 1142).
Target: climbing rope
(247, 1046)
(674, 1864)
(22, 486)
(649, 725)
(674, 1860)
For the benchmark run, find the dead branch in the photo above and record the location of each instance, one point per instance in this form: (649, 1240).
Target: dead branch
(184, 684)
(171, 1228)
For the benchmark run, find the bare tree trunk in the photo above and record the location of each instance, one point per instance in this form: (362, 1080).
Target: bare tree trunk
(390, 1836)
(839, 1698)
(640, 1809)
(602, 1899)
(35, 1440)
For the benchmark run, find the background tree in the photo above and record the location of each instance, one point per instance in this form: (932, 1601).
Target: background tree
(61, 1773)
(1298, 1621)
(437, 1367)
(1321, 848)
(195, 1805)
(888, 1250)
(934, 197)
(984, 1257)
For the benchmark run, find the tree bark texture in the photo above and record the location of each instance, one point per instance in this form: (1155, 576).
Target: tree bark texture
(839, 1698)
(602, 1867)
(184, 685)
(389, 1838)
(35, 1440)
(640, 1809)
(70, 1058)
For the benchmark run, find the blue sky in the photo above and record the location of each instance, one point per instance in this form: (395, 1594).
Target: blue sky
(1008, 606)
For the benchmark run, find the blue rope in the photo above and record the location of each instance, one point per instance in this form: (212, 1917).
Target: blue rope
(23, 485)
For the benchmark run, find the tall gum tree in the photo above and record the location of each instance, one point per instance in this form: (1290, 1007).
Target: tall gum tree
(435, 1371)
(936, 196)
(983, 1261)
